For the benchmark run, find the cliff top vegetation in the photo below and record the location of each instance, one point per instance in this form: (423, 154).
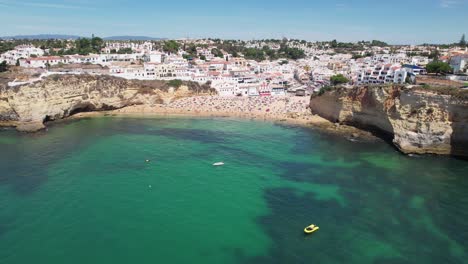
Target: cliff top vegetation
(455, 92)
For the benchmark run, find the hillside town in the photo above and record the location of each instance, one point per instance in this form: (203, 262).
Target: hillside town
(244, 68)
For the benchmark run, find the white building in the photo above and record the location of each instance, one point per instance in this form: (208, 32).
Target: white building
(156, 57)
(459, 63)
(92, 58)
(147, 71)
(43, 62)
(252, 91)
(420, 60)
(226, 90)
(278, 91)
(414, 69)
(21, 52)
(382, 74)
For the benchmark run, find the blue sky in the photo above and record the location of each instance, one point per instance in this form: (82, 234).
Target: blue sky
(397, 21)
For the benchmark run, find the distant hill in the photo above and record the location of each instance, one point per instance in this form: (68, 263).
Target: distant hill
(59, 36)
(42, 36)
(132, 38)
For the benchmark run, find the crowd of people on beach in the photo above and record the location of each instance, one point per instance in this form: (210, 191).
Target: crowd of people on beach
(260, 105)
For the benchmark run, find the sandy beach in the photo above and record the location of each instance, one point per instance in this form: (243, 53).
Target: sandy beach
(282, 109)
(288, 110)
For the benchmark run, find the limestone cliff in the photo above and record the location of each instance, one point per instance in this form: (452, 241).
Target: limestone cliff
(27, 107)
(417, 120)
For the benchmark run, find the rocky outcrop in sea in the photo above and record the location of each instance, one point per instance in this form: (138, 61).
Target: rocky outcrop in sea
(418, 120)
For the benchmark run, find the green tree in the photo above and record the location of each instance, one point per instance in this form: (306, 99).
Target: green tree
(270, 53)
(254, 54)
(83, 46)
(217, 53)
(191, 50)
(171, 46)
(463, 41)
(17, 62)
(286, 52)
(3, 66)
(295, 53)
(6, 46)
(438, 67)
(97, 44)
(324, 89)
(175, 83)
(378, 43)
(434, 54)
(125, 51)
(338, 79)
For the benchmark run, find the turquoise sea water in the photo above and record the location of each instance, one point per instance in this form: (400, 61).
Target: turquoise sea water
(82, 193)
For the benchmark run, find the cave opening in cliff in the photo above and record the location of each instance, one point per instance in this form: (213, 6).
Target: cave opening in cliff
(108, 107)
(47, 118)
(82, 109)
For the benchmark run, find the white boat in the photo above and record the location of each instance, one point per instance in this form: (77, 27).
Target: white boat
(218, 164)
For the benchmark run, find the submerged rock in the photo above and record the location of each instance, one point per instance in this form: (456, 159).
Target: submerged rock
(30, 127)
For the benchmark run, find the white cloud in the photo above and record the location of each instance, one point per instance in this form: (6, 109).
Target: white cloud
(42, 5)
(448, 3)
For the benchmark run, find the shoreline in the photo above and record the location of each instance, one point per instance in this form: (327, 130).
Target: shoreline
(132, 111)
(310, 121)
(279, 110)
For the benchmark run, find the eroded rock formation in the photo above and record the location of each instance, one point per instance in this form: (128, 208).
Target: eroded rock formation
(417, 120)
(27, 107)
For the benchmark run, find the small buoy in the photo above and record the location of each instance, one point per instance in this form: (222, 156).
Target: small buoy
(311, 229)
(147, 160)
(149, 186)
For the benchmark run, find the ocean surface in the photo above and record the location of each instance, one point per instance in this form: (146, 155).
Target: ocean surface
(82, 192)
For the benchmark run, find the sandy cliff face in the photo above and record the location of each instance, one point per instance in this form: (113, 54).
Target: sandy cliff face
(28, 107)
(416, 120)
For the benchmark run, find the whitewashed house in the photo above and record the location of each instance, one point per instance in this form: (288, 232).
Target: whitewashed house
(459, 63)
(43, 62)
(20, 52)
